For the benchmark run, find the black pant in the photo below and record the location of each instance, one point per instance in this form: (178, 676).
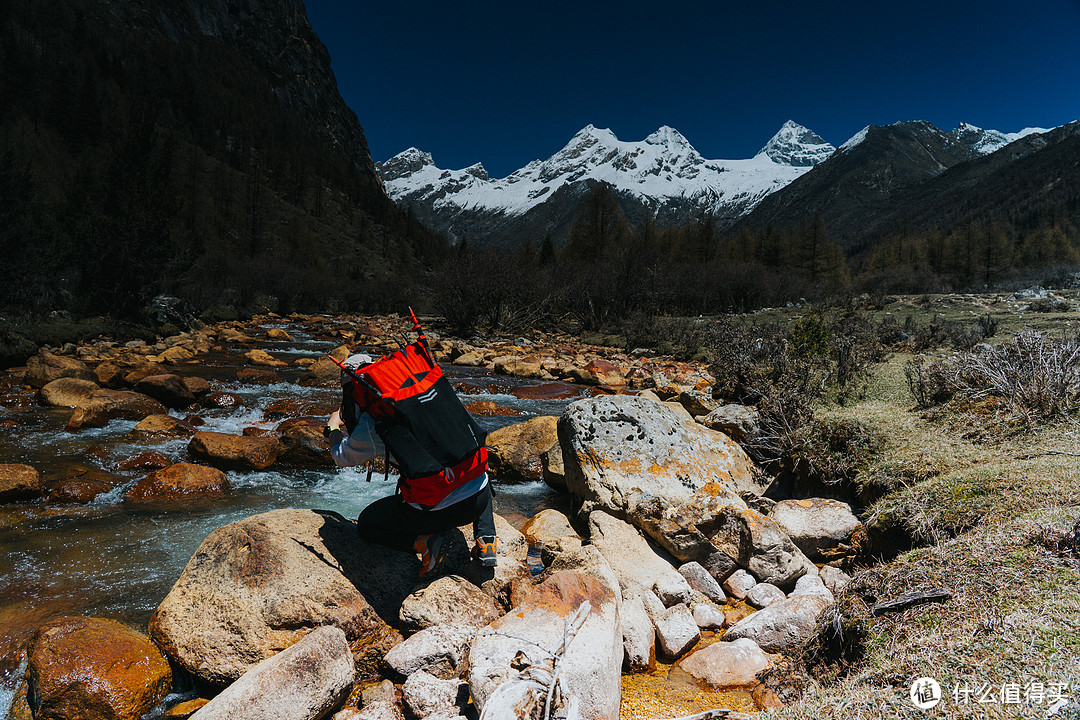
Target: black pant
(391, 521)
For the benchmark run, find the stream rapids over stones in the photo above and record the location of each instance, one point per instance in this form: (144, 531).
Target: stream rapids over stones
(152, 484)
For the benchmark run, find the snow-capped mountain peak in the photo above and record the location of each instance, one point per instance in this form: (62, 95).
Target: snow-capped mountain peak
(661, 172)
(796, 146)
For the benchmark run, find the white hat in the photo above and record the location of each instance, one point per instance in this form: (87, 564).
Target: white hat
(354, 362)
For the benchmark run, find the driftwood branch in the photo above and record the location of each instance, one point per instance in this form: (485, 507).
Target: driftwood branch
(911, 599)
(719, 714)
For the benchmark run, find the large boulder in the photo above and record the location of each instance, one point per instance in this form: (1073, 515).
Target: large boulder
(725, 665)
(19, 482)
(234, 452)
(784, 625)
(822, 528)
(43, 368)
(448, 599)
(168, 389)
(619, 447)
(180, 481)
(635, 563)
(94, 669)
(105, 405)
(501, 654)
(303, 682)
(67, 392)
(256, 586)
(515, 450)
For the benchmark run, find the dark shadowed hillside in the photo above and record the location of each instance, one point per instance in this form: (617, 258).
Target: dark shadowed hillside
(192, 147)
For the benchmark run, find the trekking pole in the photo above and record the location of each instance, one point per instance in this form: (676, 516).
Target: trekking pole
(422, 337)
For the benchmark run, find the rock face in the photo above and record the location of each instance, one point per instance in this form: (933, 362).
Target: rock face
(515, 450)
(179, 481)
(448, 599)
(105, 405)
(818, 526)
(91, 668)
(302, 682)
(783, 625)
(619, 446)
(258, 585)
(19, 482)
(725, 665)
(67, 392)
(590, 665)
(635, 563)
(44, 368)
(427, 696)
(234, 452)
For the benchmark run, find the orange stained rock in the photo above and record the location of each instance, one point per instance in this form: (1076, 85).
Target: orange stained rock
(806, 503)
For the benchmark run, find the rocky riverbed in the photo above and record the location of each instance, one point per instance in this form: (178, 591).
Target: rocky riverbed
(634, 538)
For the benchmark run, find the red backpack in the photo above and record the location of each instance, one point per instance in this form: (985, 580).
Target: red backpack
(435, 442)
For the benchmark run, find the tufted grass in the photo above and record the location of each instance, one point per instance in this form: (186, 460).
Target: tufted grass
(973, 509)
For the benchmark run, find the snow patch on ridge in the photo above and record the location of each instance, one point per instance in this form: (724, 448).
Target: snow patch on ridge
(662, 167)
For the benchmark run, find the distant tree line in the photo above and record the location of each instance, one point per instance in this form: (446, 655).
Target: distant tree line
(608, 273)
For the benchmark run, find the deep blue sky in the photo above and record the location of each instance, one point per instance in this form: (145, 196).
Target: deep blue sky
(504, 82)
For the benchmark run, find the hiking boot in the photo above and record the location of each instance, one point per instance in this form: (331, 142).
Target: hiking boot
(430, 549)
(484, 551)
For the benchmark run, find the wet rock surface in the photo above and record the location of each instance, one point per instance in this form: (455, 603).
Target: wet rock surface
(94, 668)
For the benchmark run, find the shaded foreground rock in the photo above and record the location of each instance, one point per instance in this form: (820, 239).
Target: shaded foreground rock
(619, 446)
(234, 452)
(303, 682)
(590, 663)
(258, 585)
(94, 668)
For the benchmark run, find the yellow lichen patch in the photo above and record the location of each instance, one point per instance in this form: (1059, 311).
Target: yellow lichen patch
(805, 503)
(654, 695)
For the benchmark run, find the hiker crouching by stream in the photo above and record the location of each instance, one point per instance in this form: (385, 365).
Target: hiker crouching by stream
(403, 409)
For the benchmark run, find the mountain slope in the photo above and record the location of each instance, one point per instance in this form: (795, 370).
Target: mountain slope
(195, 147)
(662, 177)
(869, 175)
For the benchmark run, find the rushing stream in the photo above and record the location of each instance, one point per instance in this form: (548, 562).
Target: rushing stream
(106, 559)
